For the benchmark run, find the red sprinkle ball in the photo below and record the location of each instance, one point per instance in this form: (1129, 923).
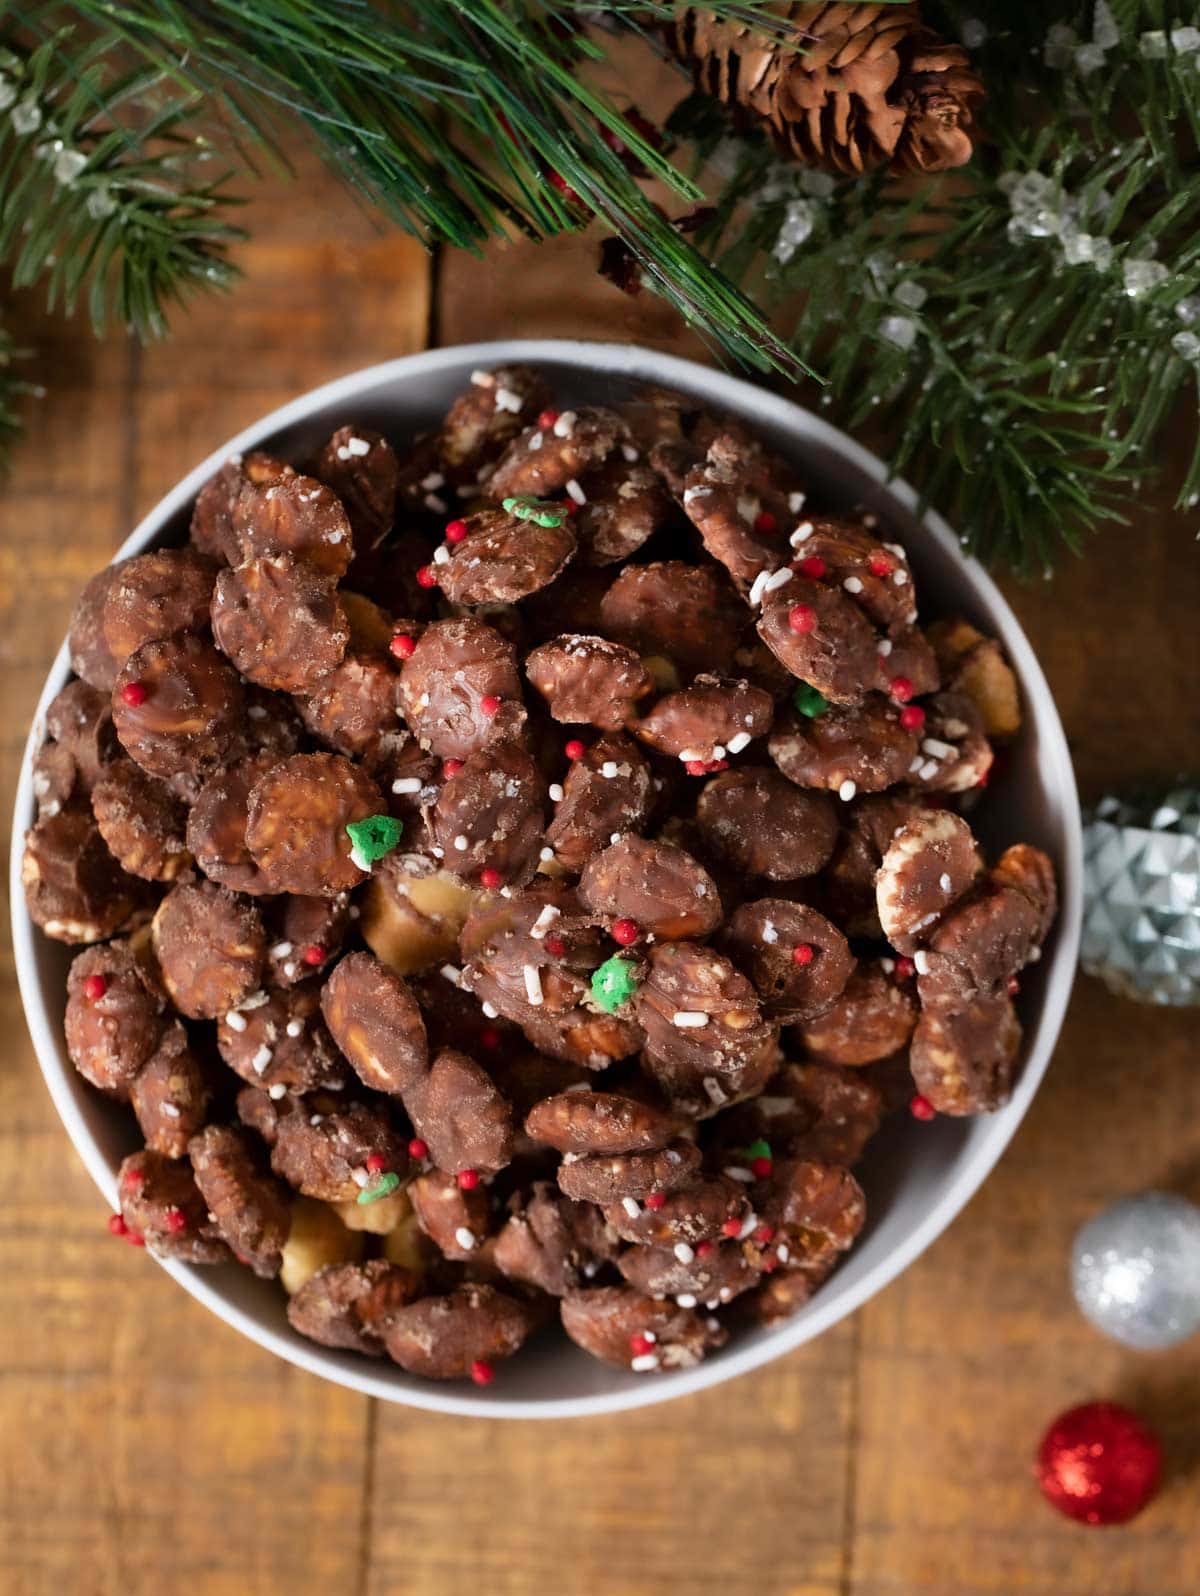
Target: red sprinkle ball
(625, 931)
(555, 947)
(490, 878)
(489, 705)
(376, 1164)
(403, 646)
(546, 419)
(760, 1168)
(655, 1201)
(705, 1249)
(574, 749)
(135, 1239)
(489, 1036)
(467, 1179)
(175, 1221)
(813, 567)
(418, 1148)
(456, 531)
(731, 1227)
(427, 576)
(94, 988)
(769, 1264)
(315, 953)
(905, 968)
(640, 1345)
(133, 1180)
(765, 523)
(912, 717)
(880, 565)
(133, 694)
(803, 954)
(1014, 986)
(705, 767)
(764, 1234)
(117, 1226)
(921, 1108)
(901, 689)
(802, 618)
(451, 767)
(482, 1373)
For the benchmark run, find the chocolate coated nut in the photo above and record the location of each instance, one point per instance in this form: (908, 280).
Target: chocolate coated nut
(688, 613)
(249, 1207)
(595, 808)
(817, 1211)
(835, 649)
(657, 885)
(459, 1113)
(762, 825)
(700, 721)
(798, 960)
(782, 1294)
(348, 1305)
(374, 1019)
(55, 778)
(321, 1144)
(712, 1277)
(588, 680)
(504, 558)
(304, 935)
(975, 665)
(849, 882)
(280, 622)
(726, 515)
(863, 749)
(1028, 870)
(272, 724)
(962, 1059)
(141, 822)
(293, 515)
(873, 1017)
(282, 1043)
(356, 708)
(978, 948)
(90, 655)
(212, 519)
(456, 1221)
(551, 1243)
(876, 575)
(216, 826)
(161, 1203)
(361, 468)
(154, 595)
(170, 1095)
(460, 689)
(955, 753)
(486, 416)
(527, 1078)
(179, 708)
(698, 1212)
(611, 1322)
(489, 816)
(111, 1032)
(599, 1123)
(210, 947)
(907, 654)
(74, 888)
(297, 818)
(442, 1338)
(540, 462)
(606, 1178)
(807, 1111)
(929, 864)
(624, 505)
(80, 721)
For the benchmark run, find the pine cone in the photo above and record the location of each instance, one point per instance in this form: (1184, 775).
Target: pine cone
(870, 85)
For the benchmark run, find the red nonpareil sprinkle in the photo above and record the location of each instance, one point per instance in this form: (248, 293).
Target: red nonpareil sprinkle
(133, 694)
(764, 1234)
(765, 523)
(135, 1239)
(403, 646)
(546, 419)
(769, 1264)
(880, 565)
(175, 1221)
(901, 689)
(802, 618)
(760, 1168)
(133, 1180)
(921, 1108)
(731, 1227)
(315, 953)
(427, 576)
(705, 767)
(467, 1179)
(418, 1148)
(489, 705)
(94, 988)
(490, 878)
(451, 767)
(625, 931)
(912, 717)
(803, 953)
(1014, 986)
(905, 969)
(813, 567)
(482, 1373)
(655, 1201)
(555, 947)
(705, 1249)
(376, 1164)
(489, 1036)
(456, 531)
(116, 1225)
(574, 749)
(641, 1346)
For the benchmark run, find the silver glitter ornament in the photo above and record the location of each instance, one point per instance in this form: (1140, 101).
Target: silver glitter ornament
(1135, 1270)
(1141, 917)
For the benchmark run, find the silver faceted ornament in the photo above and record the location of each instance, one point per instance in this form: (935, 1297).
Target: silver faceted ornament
(1135, 1270)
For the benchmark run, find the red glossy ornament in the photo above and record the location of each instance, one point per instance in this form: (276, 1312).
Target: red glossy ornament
(625, 931)
(1099, 1464)
(921, 1108)
(468, 1179)
(315, 953)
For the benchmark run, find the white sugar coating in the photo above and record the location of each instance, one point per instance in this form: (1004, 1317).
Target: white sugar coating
(281, 950)
(277, 1091)
(576, 492)
(465, 1238)
(452, 973)
(170, 1110)
(630, 1207)
(737, 742)
(683, 1252)
(944, 882)
(609, 769)
(261, 1059)
(847, 790)
(406, 784)
(921, 961)
(533, 984)
(461, 843)
(852, 585)
(802, 534)
(644, 1363)
(506, 399)
(295, 1027)
(685, 1299)
(689, 1019)
(359, 447)
(235, 1021)
(780, 579)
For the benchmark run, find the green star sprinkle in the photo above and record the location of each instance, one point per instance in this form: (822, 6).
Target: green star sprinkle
(614, 983)
(540, 511)
(809, 702)
(758, 1149)
(371, 838)
(383, 1187)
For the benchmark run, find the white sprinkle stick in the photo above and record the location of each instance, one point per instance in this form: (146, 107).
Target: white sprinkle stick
(261, 1059)
(737, 742)
(936, 747)
(452, 973)
(295, 1027)
(852, 585)
(406, 784)
(465, 1238)
(780, 579)
(921, 961)
(544, 921)
(609, 769)
(802, 534)
(629, 1204)
(685, 1299)
(556, 792)
(644, 1363)
(576, 492)
(758, 588)
(945, 882)
(796, 502)
(281, 950)
(689, 1019)
(235, 1021)
(277, 1091)
(533, 985)
(683, 1252)
(506, 399)
(846, 791)
(360, 447)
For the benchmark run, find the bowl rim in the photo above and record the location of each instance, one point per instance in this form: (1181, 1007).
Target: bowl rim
(639, 363)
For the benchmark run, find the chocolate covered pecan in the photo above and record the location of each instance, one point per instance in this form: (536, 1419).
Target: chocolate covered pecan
(607, 1178)
(282, 1044)
(877, 576)
(374, 1019)
(542, 462)
(623, 504)
(849, 882)
(178, 708)
(279, 621)
(212, 519)
(589, 680)
(735, 526)
(798, 960)
(962, 1058)
(699, 722)
(456, 1217)
(586, 1122)
(79, 720)
(954, 753)
(297, 816)
(210, 946)
(293, 515)
(74, 888)
(782, 1294)
(488, 821)
(712, 1276)
(361, 468)
(606, 793)
(819, 633)
(452, 1337)
(356, 708)
(349, 1305)
(688, 613)
(460, 689)
(248, 1206)
(978, 948)
(846, 751)
(55, 778)
(114, 1019)
(623, 1327)
(142, 822)
(816, 1210)
(929, 863)
(1028, 870)
(154, 595)
(762, 825)
(486, 416)
(659, 887)
(87, 647)
(873, 1017)
(701, 1211)
(162, 1206)
(322, 1146)
(551, 1243)
(304, 935)
(975, 666)
(216, 826)
(460, 1115)
(170, 1095)
(806, 1111)
(503, 557)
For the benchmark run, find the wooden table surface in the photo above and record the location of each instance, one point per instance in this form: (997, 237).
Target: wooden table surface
(146, 1450)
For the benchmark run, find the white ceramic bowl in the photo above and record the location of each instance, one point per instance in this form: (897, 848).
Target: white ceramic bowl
(917, 1177)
